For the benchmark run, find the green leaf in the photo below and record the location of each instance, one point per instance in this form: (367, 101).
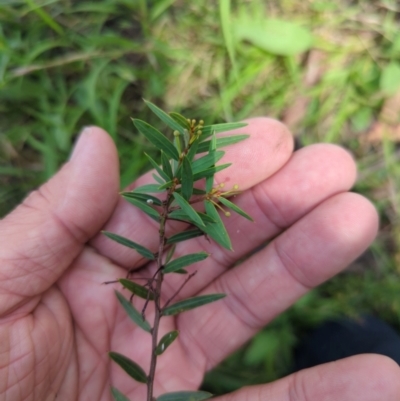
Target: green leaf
(136, 289)
(193, 150)
(130, 367)
(209, 183)
(185, 396)
(181, 215)
(197, 191)
(390, 78)
(166, 165)
(209, 129)
(144, 207)
(213, 143)
(166, 341)
(142, 197)
(148, 188)
(217, 230)
(158, 179)
(221, 142)
(118, 396)
(210, 171)
(166, 185)
(157, 138)
(226, 24)
(235, 208)
(185, 235)
(158, 168)
(187, 179)
(191, 303)
(164, 117)
(284, 38)
(181, 120)
(133, 313)
(184, 261)
(185, 206)
(170, 253)
(130, 244)
(207, 161)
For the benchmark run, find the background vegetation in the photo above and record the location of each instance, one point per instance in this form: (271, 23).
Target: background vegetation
(330, 70)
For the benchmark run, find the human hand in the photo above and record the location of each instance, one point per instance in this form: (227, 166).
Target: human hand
(57, 322)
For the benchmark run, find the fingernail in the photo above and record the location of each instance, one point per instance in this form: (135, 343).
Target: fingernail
(80, 142)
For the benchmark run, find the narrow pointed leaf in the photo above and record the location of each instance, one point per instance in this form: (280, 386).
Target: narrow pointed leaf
(166, 341)
(181, 271)
(181, 120)
(130, 367)
(207, 161)
(153, 188)
(158, 168)
(191, 303)
(158, 179)
(166, 165)
(210, 171)
(209, 129)
(144, 207)
(133, 313)
(184, 261)
(213, 143)
(117, 395)
(166, 185)
(185, 206)
(185, 396)
(185, 235)
(170, 253)
(164, 117)
(142, 197)
(136, 289)
(130, 244)
(160, 141)
(217, 230)
(235, 208)
(193, 150)
(181, 215)
(197, 191)
(221, 142)
(187, 179)
(209, 183)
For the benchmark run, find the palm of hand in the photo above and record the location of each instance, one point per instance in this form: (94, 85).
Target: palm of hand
(58, 322)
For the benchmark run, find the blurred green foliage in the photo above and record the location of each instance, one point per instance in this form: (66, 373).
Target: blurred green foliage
(65, 64)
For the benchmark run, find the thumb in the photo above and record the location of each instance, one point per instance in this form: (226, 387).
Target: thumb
(43, 235)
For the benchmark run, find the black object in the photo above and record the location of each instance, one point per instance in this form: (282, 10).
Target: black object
(346, 337)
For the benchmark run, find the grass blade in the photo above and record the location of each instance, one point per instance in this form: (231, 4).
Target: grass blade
(160, 141)
(130, 244)
(166, 341)
(184, 261)
(191, 303)
(133, 313)
(130, 367)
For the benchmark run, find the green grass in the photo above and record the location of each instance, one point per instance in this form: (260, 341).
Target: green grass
(65, 64)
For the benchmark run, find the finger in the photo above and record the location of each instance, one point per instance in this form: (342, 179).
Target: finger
(311, 251)
(42, 236)
(265, 152)
(359, 378)
(312, 175)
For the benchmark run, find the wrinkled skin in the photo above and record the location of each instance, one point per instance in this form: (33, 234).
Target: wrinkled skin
(57, 320)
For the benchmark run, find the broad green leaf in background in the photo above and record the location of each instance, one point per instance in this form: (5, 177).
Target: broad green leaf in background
(217, 230)
(191, 303)
(130, 367)
(284, 38)
(187, 179)
(166, 341)
(235, 208)
(184, 261)
(165, 118)
(185, 396)
(130, 244)
(185, 235)
(133, 312)
(136, 289)
(185, 206)
(159, 140)
(224, 141)
(118, 396)
(390, 78)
